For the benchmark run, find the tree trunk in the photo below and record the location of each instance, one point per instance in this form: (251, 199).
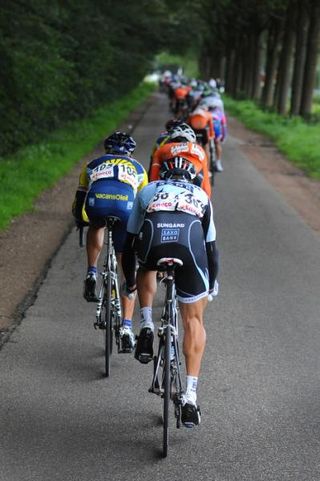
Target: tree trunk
(284, 72)
(248, 66)
(272, 60)
(300, 58)
(256, 73)
(229, 67)
(311, 60)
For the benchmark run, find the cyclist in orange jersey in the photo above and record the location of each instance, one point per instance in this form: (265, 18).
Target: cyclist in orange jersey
(180, 100)
(182, 142)
(200, 120)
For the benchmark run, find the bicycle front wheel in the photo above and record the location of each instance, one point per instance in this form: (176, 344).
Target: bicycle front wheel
(108, 324)
(166, 391)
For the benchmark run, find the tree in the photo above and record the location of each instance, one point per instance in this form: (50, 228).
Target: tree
(311, 59)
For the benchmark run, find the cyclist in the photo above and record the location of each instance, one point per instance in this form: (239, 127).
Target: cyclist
(220, 131)
(180, 107)
(163, 137)
(107, 186)
(173, 218)
(182, 141)
(202, 123)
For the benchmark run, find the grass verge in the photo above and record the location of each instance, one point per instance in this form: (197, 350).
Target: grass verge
(297, 140)
(35, 168)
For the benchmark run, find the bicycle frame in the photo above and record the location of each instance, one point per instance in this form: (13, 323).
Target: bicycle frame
(108, 312)
(166, 381)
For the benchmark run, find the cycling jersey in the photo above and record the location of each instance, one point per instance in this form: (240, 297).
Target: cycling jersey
(201, 119)
(108, 185)
(117, 167)
(190, 151)
(181, 92)
(174, 219)
(219, 124)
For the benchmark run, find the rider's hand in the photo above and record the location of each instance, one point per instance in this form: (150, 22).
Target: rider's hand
(213, 292)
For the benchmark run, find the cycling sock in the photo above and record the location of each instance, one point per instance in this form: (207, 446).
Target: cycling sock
(191, 391)
(127, 323)
(92, 270)
(146, 318)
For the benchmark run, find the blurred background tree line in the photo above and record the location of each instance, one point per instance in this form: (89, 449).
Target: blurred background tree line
(267, 51)
(61, 59)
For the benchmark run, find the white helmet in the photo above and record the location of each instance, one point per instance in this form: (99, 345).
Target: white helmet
(183, 131)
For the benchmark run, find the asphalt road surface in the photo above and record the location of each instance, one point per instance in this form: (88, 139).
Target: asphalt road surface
(60, 419)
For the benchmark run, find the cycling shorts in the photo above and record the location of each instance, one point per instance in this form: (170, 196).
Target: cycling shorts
(110, 197)
(217, 128)
(202, 136)
(180, 235)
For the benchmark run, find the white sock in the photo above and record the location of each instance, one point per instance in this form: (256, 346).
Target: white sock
(191, 391)
(146, 318)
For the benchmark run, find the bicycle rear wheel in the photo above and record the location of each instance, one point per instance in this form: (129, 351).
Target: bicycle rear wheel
(108, 324)
(166, 393)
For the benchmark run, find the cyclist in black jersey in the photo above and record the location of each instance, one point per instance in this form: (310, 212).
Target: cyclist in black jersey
(174, 218)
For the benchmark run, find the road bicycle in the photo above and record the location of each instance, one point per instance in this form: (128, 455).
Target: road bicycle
(108, 313)
(166, 381)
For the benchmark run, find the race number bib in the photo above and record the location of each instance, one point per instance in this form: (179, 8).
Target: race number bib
(102, 171)
(182, 201)
(128, 174)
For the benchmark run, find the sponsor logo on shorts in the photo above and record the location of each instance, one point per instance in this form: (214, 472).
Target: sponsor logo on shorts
(170, 235)
(170, 225)
(112, 196)
(91, 201)
(129, 205)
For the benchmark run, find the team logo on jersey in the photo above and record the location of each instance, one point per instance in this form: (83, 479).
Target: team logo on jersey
(198, 151)
(170, 235)
(177, 149)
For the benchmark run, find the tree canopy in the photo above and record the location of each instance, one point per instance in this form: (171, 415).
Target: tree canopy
(61, 59)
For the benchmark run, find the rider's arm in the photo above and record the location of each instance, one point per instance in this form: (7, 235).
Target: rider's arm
(211, 248)
(155, 167)
(129, 260)
(80, 196)
(206, 186)
(134, 225)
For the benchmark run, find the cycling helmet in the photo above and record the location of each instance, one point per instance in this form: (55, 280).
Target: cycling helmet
(183, 132)
(120, 143)
(172, 123)
(177, 167)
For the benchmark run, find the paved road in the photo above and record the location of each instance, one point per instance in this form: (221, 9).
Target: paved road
(260, 386)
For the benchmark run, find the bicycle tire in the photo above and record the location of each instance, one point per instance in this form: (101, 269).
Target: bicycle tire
(108, 324)
(166, 391)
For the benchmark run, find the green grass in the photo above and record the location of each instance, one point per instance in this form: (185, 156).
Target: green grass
(35, 168)
(297, 140)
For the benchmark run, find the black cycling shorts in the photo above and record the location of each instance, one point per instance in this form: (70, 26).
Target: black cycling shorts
(180, 235)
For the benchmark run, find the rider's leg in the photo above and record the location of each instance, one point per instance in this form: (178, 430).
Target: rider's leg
(194, 335)
(218, 149)
(95, 237)
(147, 288)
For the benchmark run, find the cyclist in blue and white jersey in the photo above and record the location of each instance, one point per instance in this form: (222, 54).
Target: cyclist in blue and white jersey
(174, 218)
(108, 186)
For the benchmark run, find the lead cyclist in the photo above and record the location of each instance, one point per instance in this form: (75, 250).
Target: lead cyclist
(173, 218)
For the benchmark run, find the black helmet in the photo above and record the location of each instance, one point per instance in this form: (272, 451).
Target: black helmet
(177, 167)
(172, 123)
(119, 143)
